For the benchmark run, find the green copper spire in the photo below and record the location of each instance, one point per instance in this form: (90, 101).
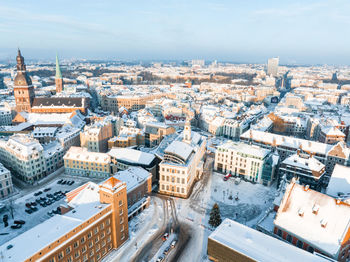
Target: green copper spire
(58, 69)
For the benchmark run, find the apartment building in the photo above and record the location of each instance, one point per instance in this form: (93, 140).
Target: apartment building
(138, 186)
(329, 155)
(5, 117)
(94, 222)
(331, 135)
(154, 133)
(6, 186)
(182, 163)
(314, 222)
(233, 129)
(304, 167)
(28, 160)
(250, 162)
(79, 161)
(132, 102)
(95, 136)
(127, 137)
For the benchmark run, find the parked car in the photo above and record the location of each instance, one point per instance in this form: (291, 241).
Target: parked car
(64, 182)
(237, 180)
(22, 222)
(29, 211)
(72, 182)
(160, 259)
(59, 181)
(173, 244)
(47, 189)
(9, 246)
(38, 193)
(166, 250)
(34, 209)
(33, 203)
(165, 236)
(28, 205)
(227, 176)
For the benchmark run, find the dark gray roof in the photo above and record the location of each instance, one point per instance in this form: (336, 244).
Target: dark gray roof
(58, 101)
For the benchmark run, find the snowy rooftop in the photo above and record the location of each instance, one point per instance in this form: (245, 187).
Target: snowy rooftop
(332, 131)
(133, 177)
(82, 154)
(180, 148)
(305, 162)
(257, 245)
(269, 138)
(314, 217)
(245, 149)
(131, 156)
(340, 181)
(86, 205)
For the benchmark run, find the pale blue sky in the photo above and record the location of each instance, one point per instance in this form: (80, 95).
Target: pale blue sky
(301, 31)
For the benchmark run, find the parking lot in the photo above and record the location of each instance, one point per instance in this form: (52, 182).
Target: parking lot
(36, 206)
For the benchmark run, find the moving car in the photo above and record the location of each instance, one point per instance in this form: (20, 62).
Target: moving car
(165, 236)
(166, 250)
(173, 244)
(160, 259)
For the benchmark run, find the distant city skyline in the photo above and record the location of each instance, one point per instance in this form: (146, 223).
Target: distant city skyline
(299, 32)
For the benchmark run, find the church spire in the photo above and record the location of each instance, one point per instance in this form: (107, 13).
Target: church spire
(58, 69)
(58, 78)
(20, 62)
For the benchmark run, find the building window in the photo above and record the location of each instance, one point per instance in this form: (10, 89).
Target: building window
(108, 230)
(299, 244)
(289, 238)
(97, 239)
(77, 254)
(83, 250)
(310, 249)
(89, 235)
(91, 244)
(102, 226)
(95, 230)
(69, 259)
(279, 232)
(108, 221)
(60, 255)
(122, 228)
(76, 244)
(82, 240)
(68, 249)
(120, 202)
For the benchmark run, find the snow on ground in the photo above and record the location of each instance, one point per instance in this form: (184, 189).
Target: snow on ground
(141, 229)
(253, 200)
(38, 216)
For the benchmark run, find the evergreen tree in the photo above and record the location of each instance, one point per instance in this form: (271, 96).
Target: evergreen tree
(215, 217)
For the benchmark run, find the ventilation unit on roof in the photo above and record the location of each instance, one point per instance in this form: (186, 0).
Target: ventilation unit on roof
(306, 187)
(301, 212)
(323, 222)
(315, 209)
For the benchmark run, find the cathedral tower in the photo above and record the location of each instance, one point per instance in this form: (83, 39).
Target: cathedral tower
(58, 78)
(23, 88)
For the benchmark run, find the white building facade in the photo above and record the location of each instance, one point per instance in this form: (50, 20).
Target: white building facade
(182, 163)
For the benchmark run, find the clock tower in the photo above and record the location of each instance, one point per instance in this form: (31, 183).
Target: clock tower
(23, 88)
